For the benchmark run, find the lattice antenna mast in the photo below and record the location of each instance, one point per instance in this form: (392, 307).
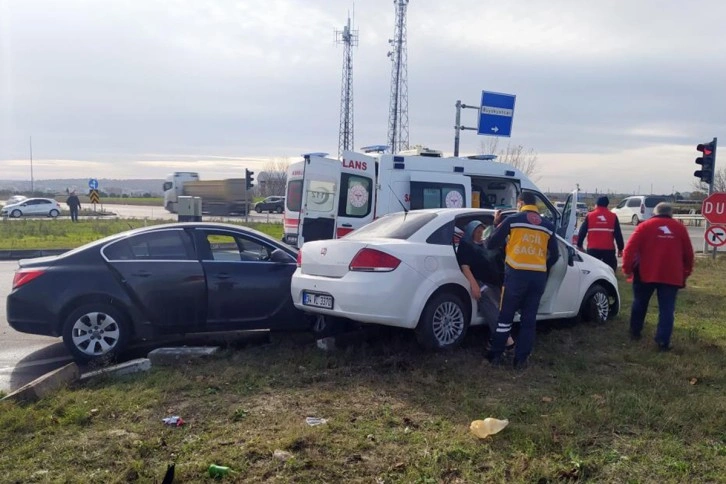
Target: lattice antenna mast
(349, 38)
(398, 108)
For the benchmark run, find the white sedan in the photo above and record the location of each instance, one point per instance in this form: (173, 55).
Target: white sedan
(401, 270)
(32, 206)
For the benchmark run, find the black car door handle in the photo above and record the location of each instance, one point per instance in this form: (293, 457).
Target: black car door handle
(346, 225)
(223, 275)
(141, 274)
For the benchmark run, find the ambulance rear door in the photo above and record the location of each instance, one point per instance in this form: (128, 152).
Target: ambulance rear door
(357, 192)
(439, 190)
(321, 186)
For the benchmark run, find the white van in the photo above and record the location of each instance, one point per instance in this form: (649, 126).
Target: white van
(636, 209)
(327, 198)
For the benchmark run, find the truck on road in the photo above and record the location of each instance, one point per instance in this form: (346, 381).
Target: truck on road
(219, 197)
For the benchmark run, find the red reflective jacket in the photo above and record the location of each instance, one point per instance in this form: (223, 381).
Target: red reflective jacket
(660, 249)
(601, 229)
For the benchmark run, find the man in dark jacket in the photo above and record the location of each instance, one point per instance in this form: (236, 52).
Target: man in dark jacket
(602, 229)
(531, 250)
(74, 204)
(658, 257)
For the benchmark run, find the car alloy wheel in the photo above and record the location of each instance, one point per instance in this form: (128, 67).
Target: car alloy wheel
(95, 334)
(596, 305)
(16, 213)
(278, 210)
(448, 323)
(443, 323)
(95, 331)
(54, 213)
(258, 209)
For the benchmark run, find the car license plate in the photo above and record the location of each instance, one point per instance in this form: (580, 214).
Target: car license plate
(318, 300)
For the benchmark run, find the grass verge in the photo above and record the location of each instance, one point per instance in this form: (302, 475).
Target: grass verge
(61, 234)
(592, 406)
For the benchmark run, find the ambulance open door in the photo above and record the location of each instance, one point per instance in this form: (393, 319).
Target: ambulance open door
(321, 185)
(439, 190)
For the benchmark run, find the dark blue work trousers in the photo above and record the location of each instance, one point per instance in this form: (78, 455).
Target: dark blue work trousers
(521, 292)
(642, 291)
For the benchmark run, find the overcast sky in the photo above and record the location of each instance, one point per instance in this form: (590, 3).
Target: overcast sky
(611, 95)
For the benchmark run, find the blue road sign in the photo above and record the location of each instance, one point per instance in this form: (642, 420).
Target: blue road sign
(496, 114)
(93, 184)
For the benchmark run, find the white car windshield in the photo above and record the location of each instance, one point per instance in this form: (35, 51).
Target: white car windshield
(395, 226)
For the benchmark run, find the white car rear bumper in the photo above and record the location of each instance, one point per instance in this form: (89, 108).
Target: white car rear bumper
(387, 298)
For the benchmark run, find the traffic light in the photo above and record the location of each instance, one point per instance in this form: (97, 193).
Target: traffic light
(707, 162)
(249, 178)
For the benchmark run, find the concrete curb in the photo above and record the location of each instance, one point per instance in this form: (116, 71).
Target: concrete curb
(125, 368)
(184, 354)
(48, 383)
(29, 254)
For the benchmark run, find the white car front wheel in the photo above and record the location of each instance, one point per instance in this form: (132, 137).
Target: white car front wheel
(443, 323)
(595, 305)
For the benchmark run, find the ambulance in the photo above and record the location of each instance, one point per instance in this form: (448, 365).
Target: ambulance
(328, 198)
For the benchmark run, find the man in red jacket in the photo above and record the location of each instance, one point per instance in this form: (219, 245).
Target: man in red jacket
(602, 229)
(658, 257)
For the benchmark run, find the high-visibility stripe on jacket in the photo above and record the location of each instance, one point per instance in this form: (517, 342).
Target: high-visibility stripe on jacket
(531, 243)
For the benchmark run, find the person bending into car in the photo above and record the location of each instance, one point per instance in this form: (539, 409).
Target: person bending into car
(479, 266)
(530, 251)
(602, 229)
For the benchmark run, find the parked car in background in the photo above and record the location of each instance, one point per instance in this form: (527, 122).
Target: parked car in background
(46, 207)
(411, 257)
(637, 208)
(271, 204)
(13, 200)
(145, 283)
(582, 209)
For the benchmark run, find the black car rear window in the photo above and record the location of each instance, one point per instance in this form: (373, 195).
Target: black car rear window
(395, 226)
(651, 202)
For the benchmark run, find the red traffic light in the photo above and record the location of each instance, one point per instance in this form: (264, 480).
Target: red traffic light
(706, 149)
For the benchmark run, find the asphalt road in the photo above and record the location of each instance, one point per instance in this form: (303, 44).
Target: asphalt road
(151, 212)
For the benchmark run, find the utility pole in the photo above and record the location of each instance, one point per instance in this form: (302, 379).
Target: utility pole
(32, 182)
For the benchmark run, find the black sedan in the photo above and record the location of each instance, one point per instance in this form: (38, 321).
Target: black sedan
(271, 204)
(155, 281)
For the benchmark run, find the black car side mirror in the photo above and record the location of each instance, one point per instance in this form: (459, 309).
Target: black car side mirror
(280, 256)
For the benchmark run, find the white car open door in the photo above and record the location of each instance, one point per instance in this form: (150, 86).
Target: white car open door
(568, 222)
(439, 190)
(321, 190)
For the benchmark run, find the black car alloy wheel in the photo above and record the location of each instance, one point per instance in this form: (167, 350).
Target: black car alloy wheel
(95, 331)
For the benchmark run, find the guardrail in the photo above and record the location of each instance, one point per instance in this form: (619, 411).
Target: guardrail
(690, 219)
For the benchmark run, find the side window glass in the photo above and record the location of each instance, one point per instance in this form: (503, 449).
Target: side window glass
(355, 197)
(168, 245)
(437, 195)
(228, 248)
(543, 208)
(621, 204)
(633, 202)
(443, 235)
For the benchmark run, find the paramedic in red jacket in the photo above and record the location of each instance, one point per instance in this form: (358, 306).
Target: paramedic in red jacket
(602, 229)
(658, 257)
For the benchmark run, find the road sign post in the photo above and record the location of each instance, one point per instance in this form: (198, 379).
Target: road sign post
(714, 211)
(496, 114)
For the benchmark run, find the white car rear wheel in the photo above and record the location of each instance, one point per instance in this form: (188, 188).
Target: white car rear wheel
(54, 213)
(443, 323)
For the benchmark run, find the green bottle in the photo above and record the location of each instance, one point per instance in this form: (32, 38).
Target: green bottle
(218, 471)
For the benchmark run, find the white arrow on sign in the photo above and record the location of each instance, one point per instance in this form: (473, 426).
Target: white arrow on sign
(495, 129)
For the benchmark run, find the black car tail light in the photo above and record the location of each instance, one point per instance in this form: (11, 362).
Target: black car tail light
(24, 276)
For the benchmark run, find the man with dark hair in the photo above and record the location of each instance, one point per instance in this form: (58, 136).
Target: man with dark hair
(602, 229)
(74, 204)
(530, 251)
(658, 257)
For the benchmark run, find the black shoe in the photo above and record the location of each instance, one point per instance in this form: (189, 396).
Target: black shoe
(497, 361)
(662, 347)
(635, 336)
(520, 365)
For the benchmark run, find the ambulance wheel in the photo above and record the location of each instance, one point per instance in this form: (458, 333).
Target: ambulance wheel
(443, 323)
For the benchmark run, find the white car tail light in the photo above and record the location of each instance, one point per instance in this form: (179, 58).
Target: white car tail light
(299, 257)
(24, 276)
(372, 260)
